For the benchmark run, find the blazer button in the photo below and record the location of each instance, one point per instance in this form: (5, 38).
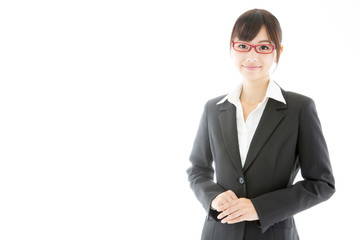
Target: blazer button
(241, 180)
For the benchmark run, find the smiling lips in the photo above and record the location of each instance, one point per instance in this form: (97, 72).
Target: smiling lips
(251, 67)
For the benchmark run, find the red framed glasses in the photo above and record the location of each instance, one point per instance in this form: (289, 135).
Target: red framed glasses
(260, 48)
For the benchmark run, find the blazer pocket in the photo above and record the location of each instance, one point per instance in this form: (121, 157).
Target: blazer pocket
(287, 223)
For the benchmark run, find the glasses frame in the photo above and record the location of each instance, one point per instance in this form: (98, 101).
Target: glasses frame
(254, 46)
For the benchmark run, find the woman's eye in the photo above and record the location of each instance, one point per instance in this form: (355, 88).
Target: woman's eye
(242, 46)
(264, 47)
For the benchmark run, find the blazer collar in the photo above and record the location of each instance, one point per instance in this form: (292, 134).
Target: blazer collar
(227, 119)
(269, 121)
(273, 91)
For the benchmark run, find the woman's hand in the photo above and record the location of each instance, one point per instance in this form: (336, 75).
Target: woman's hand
(237, 210)
(222, 199)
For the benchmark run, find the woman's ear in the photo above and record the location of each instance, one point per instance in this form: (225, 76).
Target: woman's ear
(281, 49)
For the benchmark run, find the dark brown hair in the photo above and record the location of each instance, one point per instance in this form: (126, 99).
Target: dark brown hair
(248, 25)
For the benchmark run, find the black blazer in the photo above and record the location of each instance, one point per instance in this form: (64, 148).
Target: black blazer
(288, 138)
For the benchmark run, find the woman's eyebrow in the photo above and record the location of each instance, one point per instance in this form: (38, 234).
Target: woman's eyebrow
(264, 41)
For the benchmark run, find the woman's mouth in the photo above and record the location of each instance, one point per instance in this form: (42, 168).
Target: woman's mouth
(251, 67)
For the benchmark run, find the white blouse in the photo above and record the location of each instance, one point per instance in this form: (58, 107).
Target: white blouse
(246, 130)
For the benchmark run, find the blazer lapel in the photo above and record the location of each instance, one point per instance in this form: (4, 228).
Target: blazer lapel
(227, 119)
(270, 119)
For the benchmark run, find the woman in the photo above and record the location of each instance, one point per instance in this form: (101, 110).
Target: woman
(258, 137)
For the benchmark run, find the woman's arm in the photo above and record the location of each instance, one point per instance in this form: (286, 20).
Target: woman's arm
(201, 172)
(318, 184)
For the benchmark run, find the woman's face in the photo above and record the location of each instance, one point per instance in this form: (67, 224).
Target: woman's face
(252, 65)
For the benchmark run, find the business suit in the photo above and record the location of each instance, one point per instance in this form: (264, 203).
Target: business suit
(288, 138)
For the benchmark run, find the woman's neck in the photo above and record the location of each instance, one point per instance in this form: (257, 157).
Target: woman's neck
(253, 91)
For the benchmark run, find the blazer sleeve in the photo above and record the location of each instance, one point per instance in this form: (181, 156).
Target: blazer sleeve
(318, 184)
(201, 171)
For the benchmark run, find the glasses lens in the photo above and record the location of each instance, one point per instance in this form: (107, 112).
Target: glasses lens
(265, 48)
(241, 47)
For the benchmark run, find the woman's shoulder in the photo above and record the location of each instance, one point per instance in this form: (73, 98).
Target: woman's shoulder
(216, 100)
(297, 98)
(213, 105)
(297, 102)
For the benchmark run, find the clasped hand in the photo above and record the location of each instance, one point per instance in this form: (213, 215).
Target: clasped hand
(234, 209)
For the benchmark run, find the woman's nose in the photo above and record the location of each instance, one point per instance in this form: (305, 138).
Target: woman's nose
(252, 55)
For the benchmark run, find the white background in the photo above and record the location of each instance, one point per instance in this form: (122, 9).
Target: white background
(100, 102)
